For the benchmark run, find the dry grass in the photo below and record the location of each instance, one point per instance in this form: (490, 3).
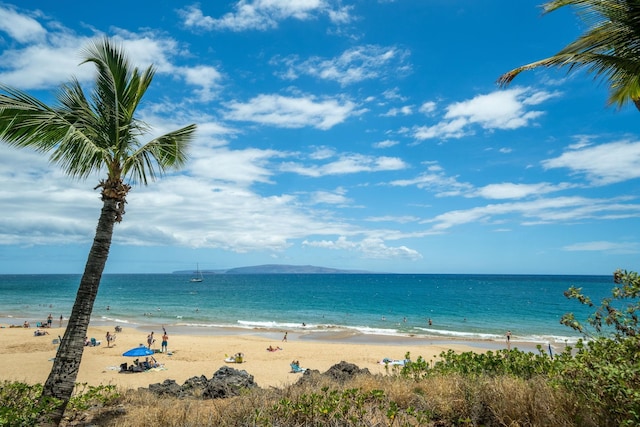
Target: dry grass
(437, 401)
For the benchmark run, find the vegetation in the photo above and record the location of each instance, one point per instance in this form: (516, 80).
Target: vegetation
(88, 135)
(608, 49)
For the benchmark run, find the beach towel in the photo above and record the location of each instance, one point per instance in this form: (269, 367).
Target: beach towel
(396, 362)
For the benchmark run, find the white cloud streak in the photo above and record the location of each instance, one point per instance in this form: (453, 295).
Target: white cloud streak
(505, 109)
(354, 65)
(264, 15)
(602, 164)
(289, 112)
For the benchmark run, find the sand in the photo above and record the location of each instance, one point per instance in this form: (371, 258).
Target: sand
(28, 358)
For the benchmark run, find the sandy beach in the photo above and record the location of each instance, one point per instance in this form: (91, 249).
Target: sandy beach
(28, 358)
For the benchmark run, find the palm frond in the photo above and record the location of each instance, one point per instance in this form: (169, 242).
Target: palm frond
(609, 49)
(164, 152)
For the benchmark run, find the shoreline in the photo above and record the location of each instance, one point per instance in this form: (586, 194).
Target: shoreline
(28, 358)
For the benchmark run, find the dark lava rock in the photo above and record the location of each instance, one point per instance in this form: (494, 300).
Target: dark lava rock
(344, 371)
(226, 382)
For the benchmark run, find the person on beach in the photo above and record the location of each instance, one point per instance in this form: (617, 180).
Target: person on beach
(508, 335)
(284, 339)
(49, 320)
(61, 318)
(108, 338)
(150, 340)
(165, 342)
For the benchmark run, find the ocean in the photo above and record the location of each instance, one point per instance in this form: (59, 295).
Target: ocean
(461, 307)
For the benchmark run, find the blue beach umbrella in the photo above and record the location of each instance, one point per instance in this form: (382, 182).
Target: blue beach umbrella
(138, 351)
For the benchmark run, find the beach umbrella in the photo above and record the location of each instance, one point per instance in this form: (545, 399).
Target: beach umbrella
(138, 351)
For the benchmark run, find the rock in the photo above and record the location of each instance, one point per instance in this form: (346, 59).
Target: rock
(168, 387)
(195, 384)
(228, 382)
(344, 371)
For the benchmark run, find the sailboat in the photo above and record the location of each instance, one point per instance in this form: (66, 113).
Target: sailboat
(198, 277)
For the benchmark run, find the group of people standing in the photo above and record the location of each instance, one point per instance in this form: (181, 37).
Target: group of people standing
(164, 346)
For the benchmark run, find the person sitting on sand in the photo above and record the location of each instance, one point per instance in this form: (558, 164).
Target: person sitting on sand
(295, 367)
(148, 364)
(26, 324)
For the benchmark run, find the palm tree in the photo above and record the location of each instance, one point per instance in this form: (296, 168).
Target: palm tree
(86, 136)
(609, 49)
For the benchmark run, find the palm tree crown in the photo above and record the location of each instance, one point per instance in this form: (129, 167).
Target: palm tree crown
(609, 49)
(85, 136)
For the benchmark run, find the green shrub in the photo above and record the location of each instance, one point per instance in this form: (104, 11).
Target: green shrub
(604, 373)
(21, 404)
(604, 376)
(521, 364)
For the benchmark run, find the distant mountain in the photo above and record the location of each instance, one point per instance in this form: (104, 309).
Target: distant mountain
(277, 269)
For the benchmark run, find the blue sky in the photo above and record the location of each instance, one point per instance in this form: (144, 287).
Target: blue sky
(361, 134)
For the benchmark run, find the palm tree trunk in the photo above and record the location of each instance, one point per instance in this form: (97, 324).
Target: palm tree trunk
(64, 372)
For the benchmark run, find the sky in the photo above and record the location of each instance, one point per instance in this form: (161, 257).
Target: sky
(353, 134)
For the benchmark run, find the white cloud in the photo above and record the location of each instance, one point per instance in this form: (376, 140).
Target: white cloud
(354, 65)
(337, 197)
(407, 110)
(45, 65)
(288, 112)
(435, 180)
(341, 15)
(508, 190)
(602, 164)
(428, 107)
(240, 167)
(208, 78)
(369, 247)
(321, 153)
(603, 246)
(505, 109)
(394, 94)
(20, 27)
(399, 219)
(385, 144)
(54, 57)
(541, 211)
(347, 164)
(264, 14)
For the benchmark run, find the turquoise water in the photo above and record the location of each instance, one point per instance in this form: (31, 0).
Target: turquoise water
(460, 306)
